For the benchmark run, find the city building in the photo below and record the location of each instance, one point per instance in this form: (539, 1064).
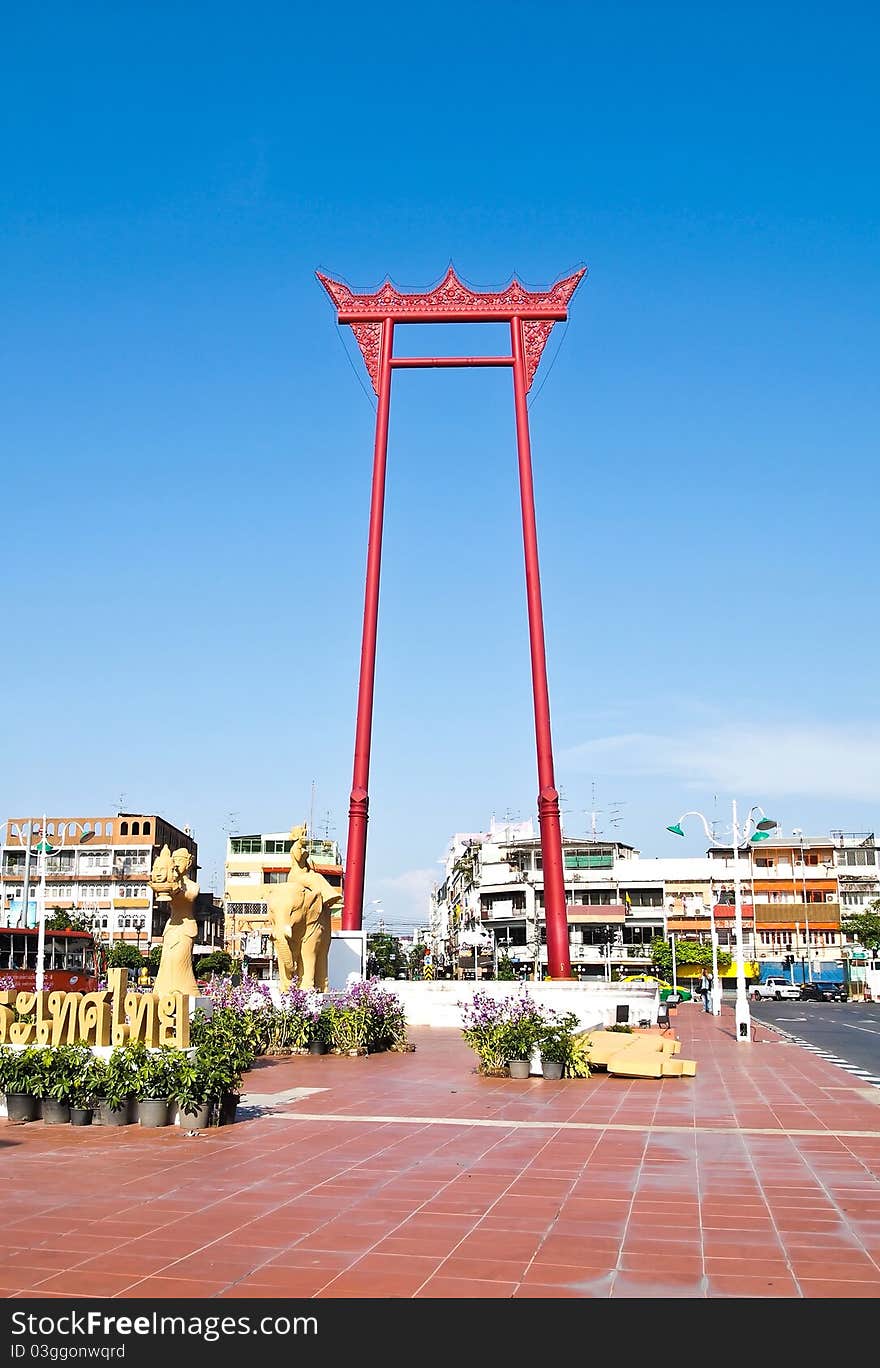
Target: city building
(97, 868)
(253, 864)
(794, 891)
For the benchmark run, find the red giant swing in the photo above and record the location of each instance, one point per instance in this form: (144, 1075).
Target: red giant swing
(531, 315)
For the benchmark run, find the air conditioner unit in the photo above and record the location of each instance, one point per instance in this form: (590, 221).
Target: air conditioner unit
(831, 897)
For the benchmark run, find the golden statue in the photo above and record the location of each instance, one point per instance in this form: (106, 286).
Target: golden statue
(168, 879)
(299, 917)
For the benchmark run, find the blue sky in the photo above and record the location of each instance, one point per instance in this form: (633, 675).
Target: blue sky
(187, 450)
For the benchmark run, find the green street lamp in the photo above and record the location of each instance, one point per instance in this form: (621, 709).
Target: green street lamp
(752, 830)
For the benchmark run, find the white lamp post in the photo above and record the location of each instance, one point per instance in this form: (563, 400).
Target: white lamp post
(796, 831)
(44, 850)
(751, 830)
(716, 981)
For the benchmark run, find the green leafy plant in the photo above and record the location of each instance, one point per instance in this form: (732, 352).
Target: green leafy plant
(577, 1065)
(620, 1027)
(118, 1082)
(506, 971)
(194, 1082)
(22, 1071)
(557, 1037)
(158, 1074)
(501, 1029)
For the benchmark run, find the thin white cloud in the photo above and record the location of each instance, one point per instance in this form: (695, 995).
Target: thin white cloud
(821, 761)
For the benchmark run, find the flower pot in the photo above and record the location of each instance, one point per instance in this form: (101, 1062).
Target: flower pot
(519, 1068)
(551, 1068)
(21, 1107)
(199, 1118)
(114, 1116)
(81, 1116)
(55, 1113)
(317, 1047)
(227, 1109)
(153, 1111)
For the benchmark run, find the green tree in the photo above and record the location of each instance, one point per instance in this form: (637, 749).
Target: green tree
(506, 971)
(865, 926)
(385, 958)
(153, 959)
(67, 921)
(415, 961)
(124, 956)
(218, 962)
(686, 952)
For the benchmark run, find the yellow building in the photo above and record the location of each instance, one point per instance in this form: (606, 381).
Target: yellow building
(253, 864)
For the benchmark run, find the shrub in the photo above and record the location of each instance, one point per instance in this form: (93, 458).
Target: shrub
(501, 1029)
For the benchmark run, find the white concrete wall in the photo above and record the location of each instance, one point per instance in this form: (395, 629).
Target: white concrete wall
(437, 1003)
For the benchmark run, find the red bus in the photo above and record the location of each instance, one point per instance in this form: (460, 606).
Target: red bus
(69, 960)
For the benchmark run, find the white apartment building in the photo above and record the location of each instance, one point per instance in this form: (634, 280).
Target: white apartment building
(793, 893)
(97, 868)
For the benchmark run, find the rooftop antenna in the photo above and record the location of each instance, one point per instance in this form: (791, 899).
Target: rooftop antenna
(594, 812)
(615, 815)
(312, 813)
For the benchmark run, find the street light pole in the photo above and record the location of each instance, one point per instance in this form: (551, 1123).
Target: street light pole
(742, 1014)
(762, 830)
(716, 983)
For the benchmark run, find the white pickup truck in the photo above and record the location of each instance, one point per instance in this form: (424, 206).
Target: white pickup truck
(774, 989)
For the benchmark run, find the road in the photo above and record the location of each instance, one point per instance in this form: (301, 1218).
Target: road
(848, 1033)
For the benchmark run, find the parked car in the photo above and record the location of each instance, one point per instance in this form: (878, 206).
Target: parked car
(827, 991)
(775, 989)
(684, 994)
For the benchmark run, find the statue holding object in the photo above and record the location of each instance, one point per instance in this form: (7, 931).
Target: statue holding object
(299, 917)
(170, 883)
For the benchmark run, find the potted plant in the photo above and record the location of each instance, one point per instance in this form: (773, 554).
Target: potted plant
(156, 1085)
(220, 1061)
(57, 1066)
(87, 1072)
(321, 1024)
(21, 1080)
(520, 1033)
(193, 1093)
(556, 1043)
(116, 1085)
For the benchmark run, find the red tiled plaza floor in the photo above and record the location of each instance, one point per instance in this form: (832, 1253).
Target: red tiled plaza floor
(411, 1176)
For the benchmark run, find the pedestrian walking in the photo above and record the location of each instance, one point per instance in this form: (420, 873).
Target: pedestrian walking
(705, 991)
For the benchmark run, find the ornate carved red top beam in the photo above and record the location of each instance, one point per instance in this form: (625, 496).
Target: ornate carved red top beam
(453, 302)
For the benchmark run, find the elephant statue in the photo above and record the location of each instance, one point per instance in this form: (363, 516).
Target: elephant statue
(299, 918)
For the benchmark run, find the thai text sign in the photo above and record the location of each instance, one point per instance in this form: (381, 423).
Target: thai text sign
(114, 1016)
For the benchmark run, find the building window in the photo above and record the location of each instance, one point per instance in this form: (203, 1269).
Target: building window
(146, 828)
(642, 897)
(245, 845)
(123, 828)
(277, 847)
(273, 876)
(135, 828)
(857, 857)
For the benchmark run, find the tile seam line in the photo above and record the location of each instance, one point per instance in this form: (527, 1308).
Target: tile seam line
(641, 1127)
